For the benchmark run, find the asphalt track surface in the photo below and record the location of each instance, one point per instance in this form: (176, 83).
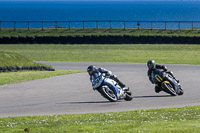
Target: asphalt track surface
(73, 94)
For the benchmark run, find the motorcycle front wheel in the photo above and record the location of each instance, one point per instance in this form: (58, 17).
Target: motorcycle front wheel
(108, 93)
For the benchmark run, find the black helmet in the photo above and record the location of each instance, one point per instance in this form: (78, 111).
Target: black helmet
(91, 69)
(151, 64)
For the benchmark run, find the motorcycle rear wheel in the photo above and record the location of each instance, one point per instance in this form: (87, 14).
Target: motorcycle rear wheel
(128, 96)
(180, 92)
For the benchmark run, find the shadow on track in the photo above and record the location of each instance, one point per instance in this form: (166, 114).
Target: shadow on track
(92, 102)
(152, 96)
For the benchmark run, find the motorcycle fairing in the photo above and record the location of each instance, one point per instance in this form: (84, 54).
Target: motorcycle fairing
(156, 76)
(112, 83)
(158, 79)
(173, 81)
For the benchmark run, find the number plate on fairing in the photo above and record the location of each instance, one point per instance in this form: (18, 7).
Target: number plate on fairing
(97, 82)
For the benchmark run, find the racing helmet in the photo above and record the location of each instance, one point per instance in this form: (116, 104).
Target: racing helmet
(151, 64)
(91, 69)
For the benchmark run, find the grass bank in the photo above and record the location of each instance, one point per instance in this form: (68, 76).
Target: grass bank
(14, 77)
(13, 59)
(102, 31)
(171, 120)
(140, 53)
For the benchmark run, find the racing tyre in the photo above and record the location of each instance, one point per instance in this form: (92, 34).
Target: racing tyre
(180, 91)
(169, 89)
(128, 96)
(108, 93)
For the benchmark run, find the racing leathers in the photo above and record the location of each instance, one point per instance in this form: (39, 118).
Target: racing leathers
(107, 73)
(162, 67)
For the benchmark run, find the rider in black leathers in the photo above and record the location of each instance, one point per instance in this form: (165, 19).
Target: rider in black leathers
(152, 66)
(92, 69)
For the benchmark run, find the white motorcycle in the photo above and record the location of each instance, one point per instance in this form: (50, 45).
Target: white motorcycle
(110, 89)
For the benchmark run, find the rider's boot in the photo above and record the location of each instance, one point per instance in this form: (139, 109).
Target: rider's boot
(157, 89)
(119, 82)
(125, 88)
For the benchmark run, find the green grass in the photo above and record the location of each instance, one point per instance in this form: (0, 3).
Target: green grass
(175, 120)
(14, 77)
(171, 120)
(13, 59)
(102, 31)
(162, 53)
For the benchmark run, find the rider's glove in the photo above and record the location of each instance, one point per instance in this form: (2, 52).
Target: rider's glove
(103, 74)
(109, 73)
(165, 68)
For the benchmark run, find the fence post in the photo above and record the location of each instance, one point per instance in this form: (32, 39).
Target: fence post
(165, 25)
(42, 25)
(111, 24)
(97, 24)
(0, 25)
(138, 25)
(151, 25)
(124, 25)
(28, 25)
(56, 25)
(15, 25)
(192, 25)
(69, 25)
(83, 25)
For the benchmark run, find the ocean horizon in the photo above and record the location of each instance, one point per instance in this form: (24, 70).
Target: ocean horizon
(98, 10)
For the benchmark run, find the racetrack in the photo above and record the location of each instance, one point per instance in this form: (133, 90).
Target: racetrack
(73, 94)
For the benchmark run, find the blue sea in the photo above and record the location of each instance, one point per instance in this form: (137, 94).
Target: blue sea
(99, 10)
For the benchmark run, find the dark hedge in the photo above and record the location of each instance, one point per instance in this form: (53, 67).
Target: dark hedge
(103, 39)
(23, 68)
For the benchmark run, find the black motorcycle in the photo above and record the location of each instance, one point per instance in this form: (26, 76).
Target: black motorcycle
(166, 82)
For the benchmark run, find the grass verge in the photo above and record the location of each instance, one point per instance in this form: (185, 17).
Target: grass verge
(101, 31)
(140, 53)
(170, 120)
(177, 120)
(14, 77)
(13, 59)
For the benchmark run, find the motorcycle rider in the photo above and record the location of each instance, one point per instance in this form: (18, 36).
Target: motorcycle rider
(152, 66)
(92, 70)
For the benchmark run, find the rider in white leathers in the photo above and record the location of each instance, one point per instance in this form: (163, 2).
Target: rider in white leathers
(92, 70)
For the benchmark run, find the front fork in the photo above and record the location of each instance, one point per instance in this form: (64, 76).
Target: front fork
(172, 83)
